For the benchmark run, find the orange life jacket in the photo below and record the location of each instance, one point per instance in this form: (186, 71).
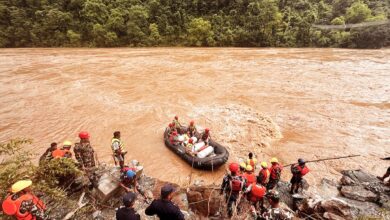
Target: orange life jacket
(236, 184)
(265, 174)
(12, 207)
(58, 153)
(302, 171)
(274, 169)
(250, 178)
(257, 192)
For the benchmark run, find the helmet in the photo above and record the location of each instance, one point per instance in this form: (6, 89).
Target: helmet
(243, 165)
(170, 125)
(67, 143)
(233, 167)
(190, 141)
(83, 135)
(176, 117)
(301, 161)
(174, 132)
(192, 122)
(207, 130)
(249, 168)
(21, 185)
(264, 164)
(130, 174)
(274, 160)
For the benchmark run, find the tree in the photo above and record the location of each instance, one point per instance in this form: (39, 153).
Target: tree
(358, 12)
(338, 21)
(200, 33)
(154, 36)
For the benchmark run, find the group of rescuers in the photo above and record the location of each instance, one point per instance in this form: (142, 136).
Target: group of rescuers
(241, 181)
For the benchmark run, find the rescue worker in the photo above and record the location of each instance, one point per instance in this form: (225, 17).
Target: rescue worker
(190, 146)
(251, 161)
(86, 156)
(58, 153)
(127, 212)
(233, 185)
(173, 138)
(66, 146)
(117, 149)
(48, 153)
(177, 124)
(164, 208)
(191, 131)
(205, 137)
(249, 175)
(242, 168)
(171, 128)
(256, 192)
(275, 212)
(128, 179)
(264, 173)
(23, 204)
(298, 171)
(275, 173)
(387, 174)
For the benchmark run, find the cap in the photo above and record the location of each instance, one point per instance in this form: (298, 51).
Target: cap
(129, 198)
(20, 185)
(166, 190)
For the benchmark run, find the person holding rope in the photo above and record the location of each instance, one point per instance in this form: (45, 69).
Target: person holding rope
(275, 173)
(298, 170)
(233, 186)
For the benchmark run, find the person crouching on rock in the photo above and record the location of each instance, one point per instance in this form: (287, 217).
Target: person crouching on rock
(164, 208)
(117, 149)
(128, 179)
(387, 174)
(127, 212)
(298, 171)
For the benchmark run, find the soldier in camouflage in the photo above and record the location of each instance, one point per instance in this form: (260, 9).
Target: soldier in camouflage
(86, 156)
(275, 212)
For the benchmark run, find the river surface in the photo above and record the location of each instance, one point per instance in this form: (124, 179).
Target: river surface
(288, 103)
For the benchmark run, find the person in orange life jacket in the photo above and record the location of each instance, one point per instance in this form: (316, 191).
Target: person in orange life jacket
(48, 153)
(251, 161)
(232, 186)
(249, 175)
(256, 192)
(173, 138)
(191, 131)
(128, 179)
(275, 172)
(23, 204)
(205, 137)
(298, 171)
(264, 173)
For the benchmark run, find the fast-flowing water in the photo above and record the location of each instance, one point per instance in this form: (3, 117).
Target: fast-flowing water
(288, 103)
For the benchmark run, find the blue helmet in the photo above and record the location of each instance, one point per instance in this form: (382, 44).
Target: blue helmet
(130, 174)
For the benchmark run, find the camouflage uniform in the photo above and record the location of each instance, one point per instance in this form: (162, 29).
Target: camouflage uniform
(276, 214)
(85, 154)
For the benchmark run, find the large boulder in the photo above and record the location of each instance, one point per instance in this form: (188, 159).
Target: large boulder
(205, 201)
(333, 209)
(358, 193)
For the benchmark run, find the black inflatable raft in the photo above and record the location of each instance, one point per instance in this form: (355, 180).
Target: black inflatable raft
(207, 163)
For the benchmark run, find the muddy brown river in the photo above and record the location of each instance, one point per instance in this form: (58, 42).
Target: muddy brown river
(288, 103)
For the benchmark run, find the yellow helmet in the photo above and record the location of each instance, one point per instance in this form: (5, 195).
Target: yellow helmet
(274, 160)
(20, 185)
(249, 168)
(67, 143)
(264, 164)
(243, 165)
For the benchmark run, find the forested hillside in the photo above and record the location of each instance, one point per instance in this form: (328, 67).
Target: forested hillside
(246, 23)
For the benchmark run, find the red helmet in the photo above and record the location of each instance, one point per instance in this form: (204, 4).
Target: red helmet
(83, 135)
(174, 132)
(170, 125)
(176, 117)
(207, 130)
(234, 167)
(192, 122)
(190, 141)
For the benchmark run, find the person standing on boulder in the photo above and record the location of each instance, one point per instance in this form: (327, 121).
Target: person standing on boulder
(298, 171)
(117, 149)
(387, 174)
(86, 156)
(233, 185)
(127, 212)
(275, 172)
(164, 208)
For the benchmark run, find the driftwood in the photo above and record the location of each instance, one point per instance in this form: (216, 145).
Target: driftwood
(79, 204)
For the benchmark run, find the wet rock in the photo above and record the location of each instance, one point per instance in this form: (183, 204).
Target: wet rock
(328, 209)
(358, 193)
(204, 200)
(336, 207)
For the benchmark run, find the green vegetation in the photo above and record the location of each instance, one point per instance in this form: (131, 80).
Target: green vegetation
(249, 23)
